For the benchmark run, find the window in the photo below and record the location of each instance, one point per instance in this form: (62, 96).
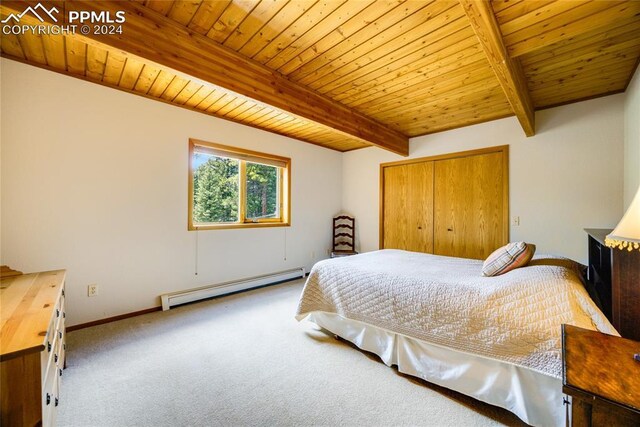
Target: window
(231, 188)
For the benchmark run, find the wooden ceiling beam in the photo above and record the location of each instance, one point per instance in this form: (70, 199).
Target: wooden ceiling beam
(507, 70)
(154, 37)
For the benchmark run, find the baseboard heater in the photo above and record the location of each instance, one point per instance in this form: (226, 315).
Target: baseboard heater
(190, 295)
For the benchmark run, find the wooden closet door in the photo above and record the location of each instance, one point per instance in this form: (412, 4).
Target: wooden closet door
(408, 207)
(469, 215)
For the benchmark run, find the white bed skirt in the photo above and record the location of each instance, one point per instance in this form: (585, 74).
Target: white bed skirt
(534, 397)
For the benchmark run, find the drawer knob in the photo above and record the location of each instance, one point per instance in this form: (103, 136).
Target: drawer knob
(60, 334)
(64, 314)
(62, 292)
(60, 372)
(48, 346)
(48, 398)
(57, 401)
(449, 229)
(55, 358)
(57, 313)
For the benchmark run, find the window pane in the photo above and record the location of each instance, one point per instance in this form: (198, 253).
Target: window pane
(215, 188)
(262, 192)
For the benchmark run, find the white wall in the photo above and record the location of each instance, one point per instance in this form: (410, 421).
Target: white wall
(95, 181)
(632, 139)
(565, 178)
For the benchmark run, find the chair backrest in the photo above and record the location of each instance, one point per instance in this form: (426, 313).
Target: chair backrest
(344, 228)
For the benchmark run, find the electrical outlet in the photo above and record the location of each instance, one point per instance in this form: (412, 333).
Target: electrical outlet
(515, 221)
(92, 290)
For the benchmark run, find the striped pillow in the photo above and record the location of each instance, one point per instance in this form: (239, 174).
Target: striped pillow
(507, 258)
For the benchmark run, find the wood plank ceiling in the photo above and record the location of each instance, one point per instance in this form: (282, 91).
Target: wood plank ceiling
(412, 67)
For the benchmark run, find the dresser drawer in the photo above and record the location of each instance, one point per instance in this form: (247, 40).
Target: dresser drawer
(47, 358)
(58, 354)
(48, 394)
(51, 398)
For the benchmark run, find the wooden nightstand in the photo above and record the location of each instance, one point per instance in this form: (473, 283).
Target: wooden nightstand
(614, 275)
(599, 372)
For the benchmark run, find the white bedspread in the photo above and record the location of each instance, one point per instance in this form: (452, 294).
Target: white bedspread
(446, 301)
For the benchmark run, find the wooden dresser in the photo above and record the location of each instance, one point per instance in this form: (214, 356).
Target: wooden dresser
(32, 347)
(614, 274)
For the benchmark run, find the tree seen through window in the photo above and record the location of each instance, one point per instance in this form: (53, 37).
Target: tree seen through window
(215, 184)
(262, 191)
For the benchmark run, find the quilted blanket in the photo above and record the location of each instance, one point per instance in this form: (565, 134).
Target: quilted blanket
(514, 317)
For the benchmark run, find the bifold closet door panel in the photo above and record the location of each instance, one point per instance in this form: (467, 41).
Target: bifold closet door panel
(408, 207)
(394, 223)
(469, 210)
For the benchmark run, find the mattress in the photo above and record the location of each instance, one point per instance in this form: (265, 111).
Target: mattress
(514, 318)
(494, 338)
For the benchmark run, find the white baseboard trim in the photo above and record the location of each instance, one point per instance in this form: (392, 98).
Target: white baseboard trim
(190, 295)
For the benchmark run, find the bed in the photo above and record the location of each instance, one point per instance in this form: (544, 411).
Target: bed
(496, 339)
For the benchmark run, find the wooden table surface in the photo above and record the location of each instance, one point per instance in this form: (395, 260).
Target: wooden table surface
(602, 365)
(26, 302)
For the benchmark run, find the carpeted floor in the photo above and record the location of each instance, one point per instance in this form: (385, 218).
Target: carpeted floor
(244, 360)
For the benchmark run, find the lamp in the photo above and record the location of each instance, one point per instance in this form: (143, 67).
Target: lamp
(626, 235)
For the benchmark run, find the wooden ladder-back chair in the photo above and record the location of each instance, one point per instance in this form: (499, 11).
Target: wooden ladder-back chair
(344, 232)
